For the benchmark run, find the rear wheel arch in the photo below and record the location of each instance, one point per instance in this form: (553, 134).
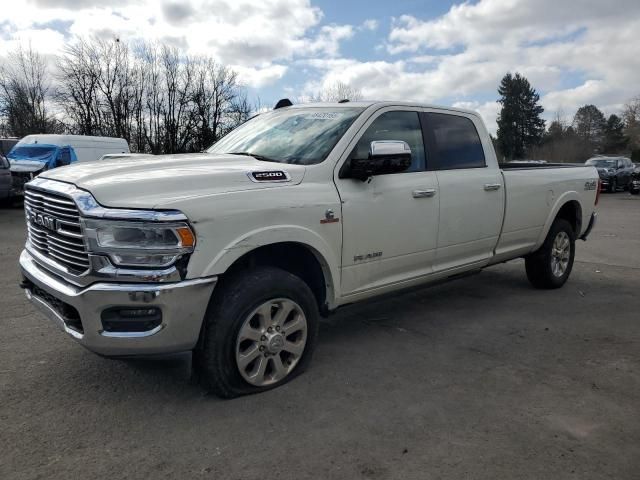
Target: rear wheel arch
(571, 211)
(567, 207)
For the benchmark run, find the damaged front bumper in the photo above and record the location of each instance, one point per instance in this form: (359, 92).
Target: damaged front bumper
(121, 319)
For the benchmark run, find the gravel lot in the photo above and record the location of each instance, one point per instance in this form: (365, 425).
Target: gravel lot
(483, 378)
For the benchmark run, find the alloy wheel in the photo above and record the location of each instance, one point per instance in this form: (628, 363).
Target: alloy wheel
(560, 254)
(271, 342)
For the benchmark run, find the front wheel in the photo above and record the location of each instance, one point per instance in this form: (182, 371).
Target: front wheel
(634, 191)
(259, 332)
(551, 265)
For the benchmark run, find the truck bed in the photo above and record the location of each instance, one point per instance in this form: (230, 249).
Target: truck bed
(533, 193)
(537, 166)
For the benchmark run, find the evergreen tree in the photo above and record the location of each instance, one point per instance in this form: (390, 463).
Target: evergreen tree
(589, 124)
(556, 131)
(520, 126)
(614, 139)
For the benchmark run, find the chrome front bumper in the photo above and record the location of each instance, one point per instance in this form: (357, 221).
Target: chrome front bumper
(183, 305)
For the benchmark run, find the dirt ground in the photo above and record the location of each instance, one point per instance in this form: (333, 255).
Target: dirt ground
(482, 378)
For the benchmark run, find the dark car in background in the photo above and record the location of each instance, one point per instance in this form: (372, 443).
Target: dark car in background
(5, 178)
(6, 144)
(615, 172)
(634, 186)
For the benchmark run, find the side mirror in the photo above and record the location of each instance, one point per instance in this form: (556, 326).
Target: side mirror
(385, 157)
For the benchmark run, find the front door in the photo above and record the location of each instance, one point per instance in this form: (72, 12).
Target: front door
(390, 223)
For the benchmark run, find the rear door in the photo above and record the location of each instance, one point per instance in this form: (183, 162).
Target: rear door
(471, 192)
(390, 223)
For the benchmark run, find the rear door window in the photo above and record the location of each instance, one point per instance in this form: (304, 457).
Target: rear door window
(452, 142)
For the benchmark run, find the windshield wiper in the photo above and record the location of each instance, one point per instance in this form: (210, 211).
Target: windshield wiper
(256, 156)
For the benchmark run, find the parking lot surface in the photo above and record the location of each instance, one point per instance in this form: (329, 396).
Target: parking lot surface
(482, 378)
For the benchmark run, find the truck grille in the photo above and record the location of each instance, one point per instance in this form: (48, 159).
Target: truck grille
(54, 230)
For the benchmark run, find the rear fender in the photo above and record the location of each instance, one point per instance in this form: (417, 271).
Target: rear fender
(559, 203)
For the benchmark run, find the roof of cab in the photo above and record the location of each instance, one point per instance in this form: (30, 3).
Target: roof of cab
(381, 104)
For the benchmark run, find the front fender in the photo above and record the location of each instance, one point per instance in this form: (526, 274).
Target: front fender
(261, 237)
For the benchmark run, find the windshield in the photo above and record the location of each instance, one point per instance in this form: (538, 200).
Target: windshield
(303, 136)
(602, 162)
(32, 152)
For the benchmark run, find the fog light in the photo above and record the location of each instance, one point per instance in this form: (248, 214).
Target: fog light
(127, 319)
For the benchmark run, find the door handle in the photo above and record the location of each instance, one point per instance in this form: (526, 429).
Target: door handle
(428, 193)
(492, 186)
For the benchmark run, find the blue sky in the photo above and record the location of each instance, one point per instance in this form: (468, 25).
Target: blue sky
(453, 53)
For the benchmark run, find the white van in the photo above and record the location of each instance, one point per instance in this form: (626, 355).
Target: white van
(85, 147)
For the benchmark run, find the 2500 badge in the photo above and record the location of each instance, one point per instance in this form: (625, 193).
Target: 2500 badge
(272, 176)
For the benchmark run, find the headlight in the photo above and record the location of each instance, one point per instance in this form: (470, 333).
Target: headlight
(139, 244)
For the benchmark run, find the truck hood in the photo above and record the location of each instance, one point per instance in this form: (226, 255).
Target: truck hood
(26, 166)
(154, 181)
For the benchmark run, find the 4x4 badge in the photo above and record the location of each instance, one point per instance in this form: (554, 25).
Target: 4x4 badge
(591, 185)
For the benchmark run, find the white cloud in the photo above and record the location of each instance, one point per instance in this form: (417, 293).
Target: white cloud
(44, 41)
(370, 24)
(258, 77)
(573, 52)
(255, 36)
(462, 55)
(328, 40)
(547, 41)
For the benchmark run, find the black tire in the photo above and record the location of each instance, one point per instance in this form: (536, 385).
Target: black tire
(633, 191)
(613, 186)
(235, 297)
(539, 265)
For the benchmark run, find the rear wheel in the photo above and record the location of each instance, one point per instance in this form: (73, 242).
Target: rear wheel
(551, 265)
(259, 332)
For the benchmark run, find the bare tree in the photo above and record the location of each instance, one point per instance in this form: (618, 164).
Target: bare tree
(154, 98)
(338, 91)
(24, 88)
(239, 111)
(158, 99)
(77, 90)
(178, 116)
(631, 117)
(216, 102)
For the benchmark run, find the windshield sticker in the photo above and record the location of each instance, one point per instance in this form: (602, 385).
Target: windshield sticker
(323, 116)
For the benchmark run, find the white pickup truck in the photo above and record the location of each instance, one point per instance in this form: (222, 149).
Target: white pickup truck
(235, 253)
